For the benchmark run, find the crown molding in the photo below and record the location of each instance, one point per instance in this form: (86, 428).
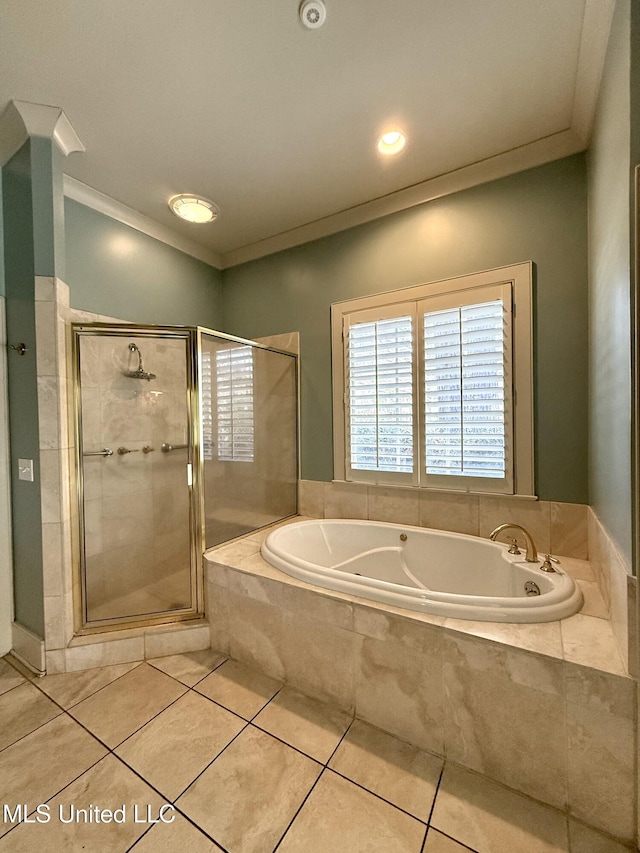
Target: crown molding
(596, 26)
(533, 154)
(96, 200)
(21, 120)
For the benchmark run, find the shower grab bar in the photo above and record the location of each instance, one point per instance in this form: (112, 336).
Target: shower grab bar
(123, 450)
(104, 452)
(167, 448)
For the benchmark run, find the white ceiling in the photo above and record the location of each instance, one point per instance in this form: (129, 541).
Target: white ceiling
(237, 101)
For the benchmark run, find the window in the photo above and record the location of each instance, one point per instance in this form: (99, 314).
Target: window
(231, 420)
(433, 385)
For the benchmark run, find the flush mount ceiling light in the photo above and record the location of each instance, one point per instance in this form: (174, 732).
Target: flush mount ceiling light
(194, 208)
(391, 142)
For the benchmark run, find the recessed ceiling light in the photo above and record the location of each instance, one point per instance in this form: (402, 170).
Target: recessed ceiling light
(194, 208)
(391, 142)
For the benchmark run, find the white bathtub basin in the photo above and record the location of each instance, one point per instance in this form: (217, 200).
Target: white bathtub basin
(445, 574)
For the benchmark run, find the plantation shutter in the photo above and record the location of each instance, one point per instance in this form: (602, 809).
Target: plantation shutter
(467, 389)
(206, 407)
(234, 404)
(380, 396)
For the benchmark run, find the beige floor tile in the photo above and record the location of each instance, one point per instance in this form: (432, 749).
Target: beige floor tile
(108, 785)
(191, 667)
(400, 773)
(69, 688)
(584, 839)
(309, 725)
(175, 836)
(22, 710)
(439, 843)
(41, 764)
(9, 677)
(247, 797)
(119, 709)
(171, 750)
(492, 819)
(239, 688)
(341, 816)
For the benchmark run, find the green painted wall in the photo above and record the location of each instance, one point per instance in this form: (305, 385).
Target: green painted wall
(114, 270)
(19, 249)
(538, 215)
(610, 292)
(2, 286)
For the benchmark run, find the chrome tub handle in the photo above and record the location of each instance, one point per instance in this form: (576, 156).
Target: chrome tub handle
(167, 448)
(104, 452)
(123, 450)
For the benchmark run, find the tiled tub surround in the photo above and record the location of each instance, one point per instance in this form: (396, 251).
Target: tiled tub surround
(545, 709)
(557, 528)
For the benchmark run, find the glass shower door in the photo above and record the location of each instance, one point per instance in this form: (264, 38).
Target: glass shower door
(138, 511)
(249, 436)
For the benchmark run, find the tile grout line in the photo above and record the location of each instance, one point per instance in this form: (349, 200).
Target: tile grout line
(378, 796)
(299, 809)
(95, 692)
(433, 805)
(111, 750)
(64, 787)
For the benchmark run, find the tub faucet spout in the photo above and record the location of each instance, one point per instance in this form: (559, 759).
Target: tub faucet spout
(532, 553)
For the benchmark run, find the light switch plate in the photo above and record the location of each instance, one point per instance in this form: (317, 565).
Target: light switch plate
(25, 469)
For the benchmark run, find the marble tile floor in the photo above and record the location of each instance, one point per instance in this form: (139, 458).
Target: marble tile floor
(236, 761)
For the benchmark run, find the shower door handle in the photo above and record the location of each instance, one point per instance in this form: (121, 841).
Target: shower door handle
(104, 452)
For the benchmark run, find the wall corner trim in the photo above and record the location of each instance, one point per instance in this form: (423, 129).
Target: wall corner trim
(22, 119)
(28, 648)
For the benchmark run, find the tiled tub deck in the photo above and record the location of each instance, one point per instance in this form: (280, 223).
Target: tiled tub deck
(545, 709)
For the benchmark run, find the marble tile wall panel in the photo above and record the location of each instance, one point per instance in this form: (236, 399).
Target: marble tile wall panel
(601, 732)
(311, 498)
(345, 500)
(54, 622)
(458, 513)
(632, 624)
(569, 530)
(613, 576)
(313, 656)
(396, 506)
(401, 690)
(505, 716)
(256, 634)
(561, 528)
(176, 641)
(104, 654)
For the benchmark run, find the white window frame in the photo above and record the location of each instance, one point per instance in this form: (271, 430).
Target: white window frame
(520, 479)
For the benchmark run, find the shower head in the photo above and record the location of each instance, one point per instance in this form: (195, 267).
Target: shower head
(139, 372)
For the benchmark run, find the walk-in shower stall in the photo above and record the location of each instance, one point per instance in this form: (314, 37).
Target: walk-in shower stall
(185, 438)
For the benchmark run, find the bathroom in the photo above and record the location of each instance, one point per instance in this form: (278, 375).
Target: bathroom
(570, 215)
